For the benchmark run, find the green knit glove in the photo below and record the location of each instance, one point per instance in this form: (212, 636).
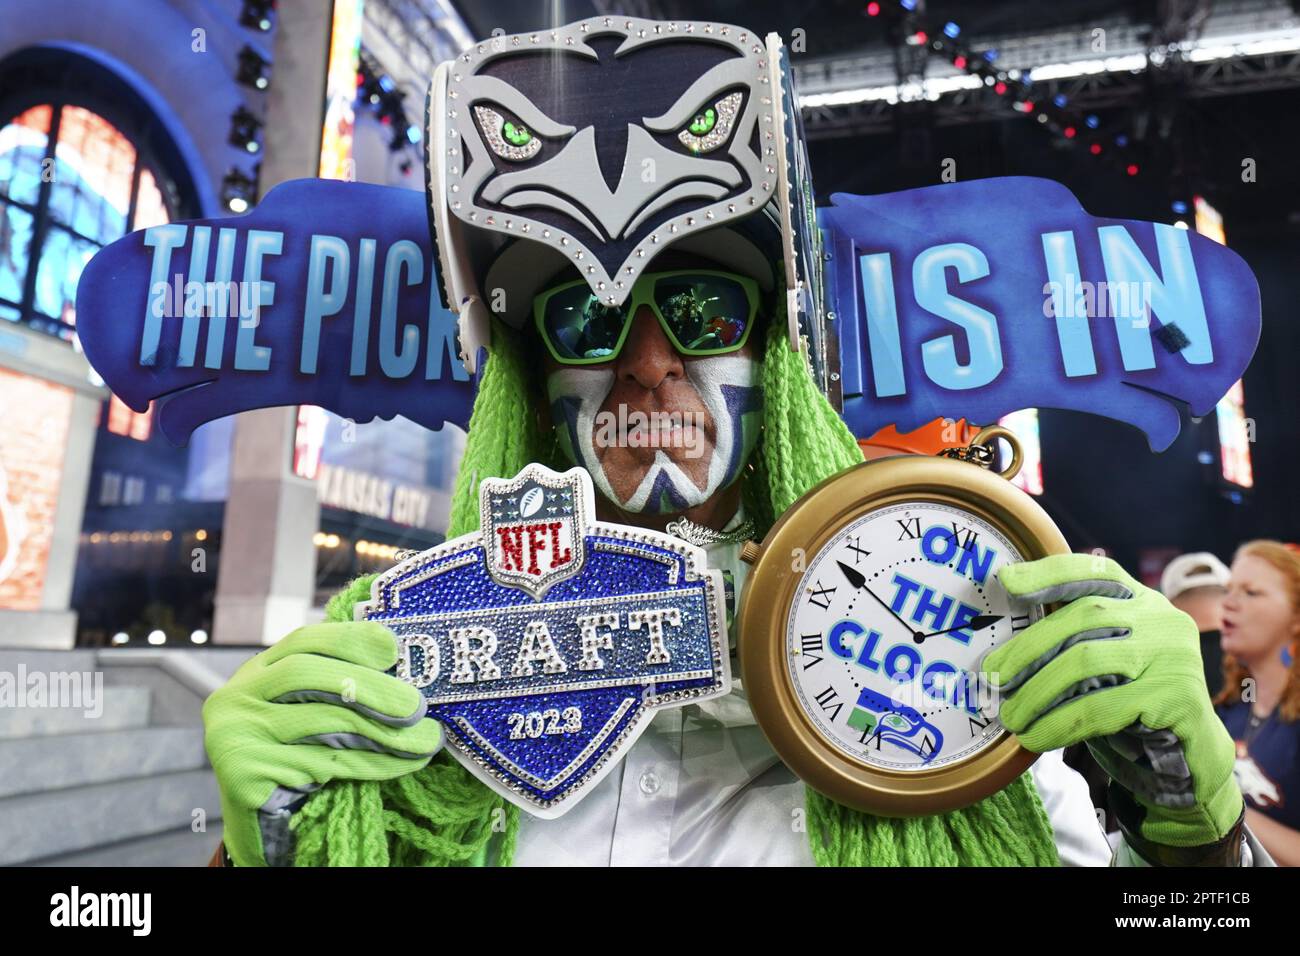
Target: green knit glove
(1119, 667)
(310, 709)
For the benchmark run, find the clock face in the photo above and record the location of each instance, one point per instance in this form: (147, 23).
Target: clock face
(891, 621)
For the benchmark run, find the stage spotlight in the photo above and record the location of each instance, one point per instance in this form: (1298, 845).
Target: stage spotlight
(1121, 140)
(951, 30)
(1179, 207)
(253, 70)
(959, 62)
(256, 14)
(1070, 131)
(1095, 149)
(873, 9)
(238, 193)
(243, 130)
(1132, 169)
(1092, 122)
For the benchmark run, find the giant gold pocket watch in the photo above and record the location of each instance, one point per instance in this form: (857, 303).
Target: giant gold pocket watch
(867, 612)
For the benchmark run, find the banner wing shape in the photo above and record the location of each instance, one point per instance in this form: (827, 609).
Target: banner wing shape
(981, 298)
(325, 294)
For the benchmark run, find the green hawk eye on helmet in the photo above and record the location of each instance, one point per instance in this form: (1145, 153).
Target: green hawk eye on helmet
(703, 312)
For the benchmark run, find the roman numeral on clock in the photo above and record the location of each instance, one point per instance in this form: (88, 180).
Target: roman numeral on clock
(828, 697)
(966, 542)
(858, 552)
(911, 528)
(811, 648)
(977, 724)
(820, 596)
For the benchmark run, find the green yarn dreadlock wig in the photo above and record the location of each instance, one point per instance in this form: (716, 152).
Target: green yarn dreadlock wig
(442, 816)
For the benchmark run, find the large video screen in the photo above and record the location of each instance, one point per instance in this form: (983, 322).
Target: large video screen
(31, 471)
(1235, 430)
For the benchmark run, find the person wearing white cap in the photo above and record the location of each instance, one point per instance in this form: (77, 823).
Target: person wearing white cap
(1196, 584)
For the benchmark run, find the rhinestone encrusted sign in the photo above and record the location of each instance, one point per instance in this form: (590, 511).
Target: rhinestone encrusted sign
(545, 641)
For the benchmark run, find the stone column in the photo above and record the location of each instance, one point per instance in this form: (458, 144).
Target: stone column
(266, 578)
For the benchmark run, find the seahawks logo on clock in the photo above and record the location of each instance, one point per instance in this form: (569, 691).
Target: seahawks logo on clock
(869, 609)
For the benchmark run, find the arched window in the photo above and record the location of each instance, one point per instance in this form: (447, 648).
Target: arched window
(70, 183)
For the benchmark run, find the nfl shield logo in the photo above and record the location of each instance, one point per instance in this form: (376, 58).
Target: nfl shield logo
(535, 526)
(546, 641)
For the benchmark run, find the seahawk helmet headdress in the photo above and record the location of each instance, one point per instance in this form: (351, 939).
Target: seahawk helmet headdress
(599, 145)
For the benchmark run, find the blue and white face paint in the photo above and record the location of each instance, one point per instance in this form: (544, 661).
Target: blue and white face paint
(660, 460)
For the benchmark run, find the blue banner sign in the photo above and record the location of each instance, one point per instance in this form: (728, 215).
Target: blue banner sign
(963, 300)
(325, 294)
(980, 298)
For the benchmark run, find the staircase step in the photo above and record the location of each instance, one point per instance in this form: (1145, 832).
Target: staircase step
(37, 764)
(39, 825)
(48, 661)
(181, 847)
(122, 708)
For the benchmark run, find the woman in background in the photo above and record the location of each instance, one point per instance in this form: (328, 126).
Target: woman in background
(1260, 700)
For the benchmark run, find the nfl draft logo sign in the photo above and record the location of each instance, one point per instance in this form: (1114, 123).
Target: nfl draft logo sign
(545, 641)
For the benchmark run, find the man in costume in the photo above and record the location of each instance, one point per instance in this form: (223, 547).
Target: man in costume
(601, 200)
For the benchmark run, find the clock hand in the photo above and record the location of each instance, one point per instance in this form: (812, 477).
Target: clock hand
(859, 581)
(975, 624)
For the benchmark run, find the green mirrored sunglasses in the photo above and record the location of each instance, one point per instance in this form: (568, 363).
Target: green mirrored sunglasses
(703, 312)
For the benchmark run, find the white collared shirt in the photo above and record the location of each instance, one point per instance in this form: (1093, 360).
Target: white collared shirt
(702, 787)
